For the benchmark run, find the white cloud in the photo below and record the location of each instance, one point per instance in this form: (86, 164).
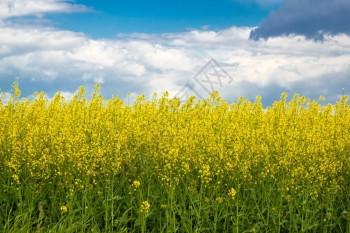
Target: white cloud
(15, 8)
(4, 97)
(67, 95)
(54, 60)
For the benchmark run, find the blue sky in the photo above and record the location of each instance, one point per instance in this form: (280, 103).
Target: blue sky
(109, 18)
(239, 47)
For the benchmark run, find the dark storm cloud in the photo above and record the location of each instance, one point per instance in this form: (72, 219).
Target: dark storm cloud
(311, 18)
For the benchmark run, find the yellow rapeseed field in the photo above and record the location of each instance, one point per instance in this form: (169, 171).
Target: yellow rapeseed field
(159, 165)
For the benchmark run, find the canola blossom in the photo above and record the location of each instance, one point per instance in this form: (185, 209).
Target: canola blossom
(162, 165)
(64, 209)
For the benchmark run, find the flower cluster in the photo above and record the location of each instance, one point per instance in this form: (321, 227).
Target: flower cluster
(145, 207)
(209, 145)
(232, 193)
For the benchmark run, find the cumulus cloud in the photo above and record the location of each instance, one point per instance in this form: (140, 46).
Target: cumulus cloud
(16, 8)
(53, 60)
(311, 18)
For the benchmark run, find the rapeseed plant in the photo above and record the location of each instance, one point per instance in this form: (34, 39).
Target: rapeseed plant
(289, 163)
(145, 207)
(64, 209)
(232, 193)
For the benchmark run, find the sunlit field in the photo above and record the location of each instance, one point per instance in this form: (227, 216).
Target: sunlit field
(92, 164)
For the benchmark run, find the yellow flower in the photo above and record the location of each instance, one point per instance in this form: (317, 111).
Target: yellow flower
(232, 193)
(64, 209)
(77, 144)
(136, 184)
(219, 200)
(145, 207)
(16, 178)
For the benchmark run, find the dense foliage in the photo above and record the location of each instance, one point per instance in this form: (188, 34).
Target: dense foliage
(159, 165)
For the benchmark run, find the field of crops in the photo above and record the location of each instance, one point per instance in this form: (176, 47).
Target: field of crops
(98, 165)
